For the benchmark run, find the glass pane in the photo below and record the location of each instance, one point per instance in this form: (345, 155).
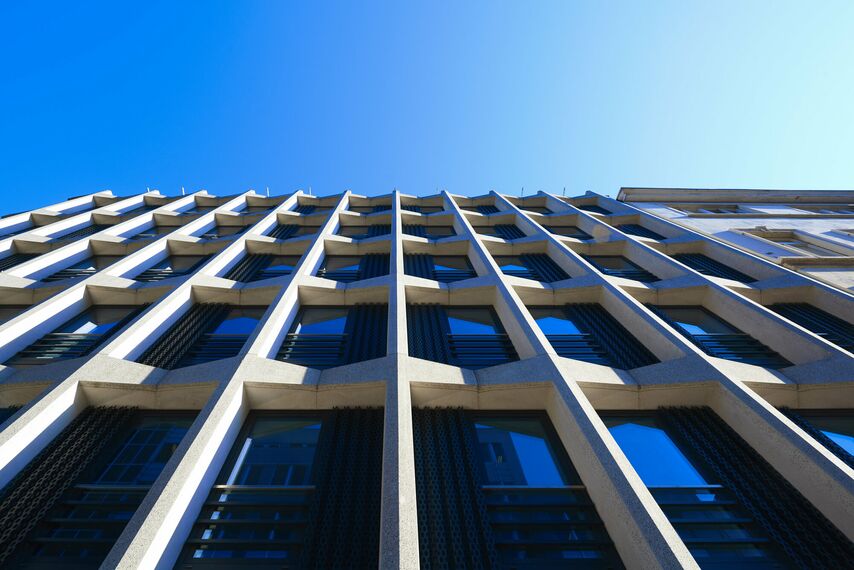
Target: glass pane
(517, 452)
(440, 231)
(807, 246)
(145, 452)
(695, 320)
(612, 262)
(839, 429)
(240, 320)
(353, 231)
(471, 321)
(652, 452)
(96, 320)
(322, 320)
(453, 262)
(510, 263)
(283, 263)
(179, 262)
(553, 320)
(342, 262)
(277, 451)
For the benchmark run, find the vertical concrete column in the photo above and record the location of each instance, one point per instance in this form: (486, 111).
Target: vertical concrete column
(825, 480)
(399, 515)
(156, 534)
(643, 536)
(37, 425)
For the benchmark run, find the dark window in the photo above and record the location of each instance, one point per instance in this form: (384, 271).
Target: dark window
(820, 322)
(92, 512)
(719, 338)
(569, 231)
(223, 231)
(537, 209)
(83, 232)
(805, 247)
(729, 506)
(588, 332)
(834, 429)
(442, 268)
(297, 491)
(708, 266)
(84, 268)
(639, 231)
(172, 266)
(594, 209)
(503, 231)
(279, 266)
(15, 259)
(16, 231)
(536, 266)
(469, 337)
(9, 312)
(360, 232)
(254, 267)
(199, 210)
(349, 268)
(256, 209)
(619, 266)
(324, 337)
(77, 337)
(154, 231)
(521, 505)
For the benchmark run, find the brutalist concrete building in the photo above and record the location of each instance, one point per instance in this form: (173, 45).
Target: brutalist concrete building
(418, 382)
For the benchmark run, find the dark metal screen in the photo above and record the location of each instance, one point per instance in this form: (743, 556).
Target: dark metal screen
(415, 230)
(248, 267)
(508, 231)
(639, 231)
(543, 268)
(487, 210)
(818, 435)
(29, 497)
(83, 232)
(708, 266)
(284, 231)
(181, 337)
(809, 540)
(611, 338)
(824, 324)
(15, 259)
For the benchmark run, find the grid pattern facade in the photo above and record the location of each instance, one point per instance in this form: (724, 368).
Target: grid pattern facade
(259, 375)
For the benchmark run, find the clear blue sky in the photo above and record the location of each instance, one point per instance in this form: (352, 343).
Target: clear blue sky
(586, 95)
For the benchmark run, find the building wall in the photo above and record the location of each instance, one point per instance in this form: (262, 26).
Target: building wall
(819, 373)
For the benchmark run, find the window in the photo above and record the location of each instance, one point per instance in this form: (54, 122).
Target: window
(172, 266)
(83, 268)
(536, 266)
(325, 337)
(77, 337)
(707, 515)
(297, 491)
(537, 209)
(442, 268)
(594, 209)
(472, 320)
(503, 231)
(619, 266)
(537, 512)
(223, 231)
(256, 209)
(719, 338)
(829, 327)
(805, 247)
(88, 518)
(360, 232)
(199, 210)
(586, 331)
(838, 428)
(9, 312)
(569, 231)
(343, 268)
(154, 231)
(279, 265)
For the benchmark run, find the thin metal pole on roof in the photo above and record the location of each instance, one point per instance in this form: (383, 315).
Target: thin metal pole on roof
(268, 191)
(182, 191)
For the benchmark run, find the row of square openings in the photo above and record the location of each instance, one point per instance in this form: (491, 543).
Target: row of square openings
(304, 490)
(466, 336)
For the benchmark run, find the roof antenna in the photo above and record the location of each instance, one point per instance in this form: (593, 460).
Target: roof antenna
(309, 190)
(182, 191)
(268, 191)
(523, 191)
(564, 190)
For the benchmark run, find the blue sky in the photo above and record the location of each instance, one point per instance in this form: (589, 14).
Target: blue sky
(420, 96)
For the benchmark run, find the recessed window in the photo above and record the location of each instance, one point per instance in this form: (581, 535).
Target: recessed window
(472, 320)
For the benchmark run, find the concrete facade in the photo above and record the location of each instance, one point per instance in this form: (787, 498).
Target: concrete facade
(746, 397)
(811, 232)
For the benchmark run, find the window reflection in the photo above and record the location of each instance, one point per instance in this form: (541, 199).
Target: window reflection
(517, 452)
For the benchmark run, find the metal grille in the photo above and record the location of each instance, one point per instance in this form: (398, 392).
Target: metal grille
(305, 209)
(15, 259)
(370, 265)
(378, 230)
(632, 272)
(594, 208)
(153, 275)
(421, 265)
(819, 436)
(212, 347)
(508, 231)
(83, 232)
(639, 231)
(820, 322)
(708, 266)
(29, 497)
(248, 268)
(53, 347)
(344, 519)
(809, 540)
(170, 348)
(415, 230)
(543, 268)
(576, 233)
(623, 350)
(69, 273)
(487, 210)
(410, 207)
(453, 523)
(284, 231)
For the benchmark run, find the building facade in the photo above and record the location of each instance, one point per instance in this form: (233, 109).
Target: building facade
(809, 232)
(415, 382)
